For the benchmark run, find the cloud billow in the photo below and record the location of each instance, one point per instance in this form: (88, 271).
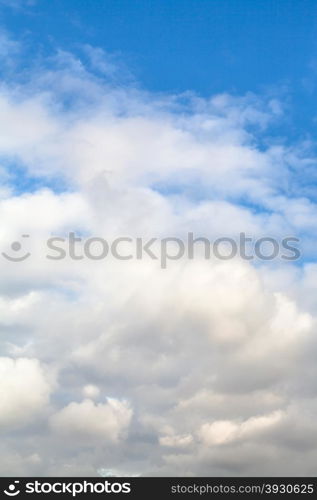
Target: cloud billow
(202, 368)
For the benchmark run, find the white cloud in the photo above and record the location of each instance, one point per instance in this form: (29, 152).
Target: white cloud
(176, 441)
(24, 391)
(91, 391)
(219, 432)
(86, 420)
(226, 431)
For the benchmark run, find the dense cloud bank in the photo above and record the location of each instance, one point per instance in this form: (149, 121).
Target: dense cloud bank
(203, 368)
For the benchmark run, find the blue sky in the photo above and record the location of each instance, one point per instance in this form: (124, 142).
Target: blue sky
(206, 46)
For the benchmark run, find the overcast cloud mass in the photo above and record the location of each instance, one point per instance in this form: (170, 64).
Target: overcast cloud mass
(207, 367)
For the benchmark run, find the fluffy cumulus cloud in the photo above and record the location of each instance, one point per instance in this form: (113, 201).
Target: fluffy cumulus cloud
(205, 367)
(24, 391)
(103, 421)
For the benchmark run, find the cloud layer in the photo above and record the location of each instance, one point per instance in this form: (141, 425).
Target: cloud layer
(204, 368)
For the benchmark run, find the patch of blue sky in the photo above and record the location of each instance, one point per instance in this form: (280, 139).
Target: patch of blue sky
(206, 46)
(198, 192)
(267, 47)
(20, 181)
(194, 192)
